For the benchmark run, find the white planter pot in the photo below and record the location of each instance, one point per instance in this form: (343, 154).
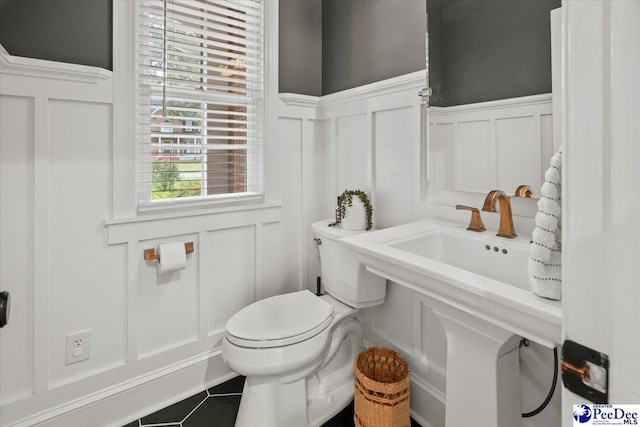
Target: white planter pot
(355, 216)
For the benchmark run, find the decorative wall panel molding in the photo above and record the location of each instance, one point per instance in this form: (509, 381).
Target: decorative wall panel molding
(77, 268)
(30, 67)
(371, 138)
(497, 144)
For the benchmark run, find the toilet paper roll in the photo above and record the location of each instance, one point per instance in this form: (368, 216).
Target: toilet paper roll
(173, 257)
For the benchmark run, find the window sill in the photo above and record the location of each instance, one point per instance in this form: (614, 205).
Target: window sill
(193, 204)
(180, 222)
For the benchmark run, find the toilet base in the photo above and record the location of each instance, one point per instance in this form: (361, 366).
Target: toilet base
(322, 409)
(272, 404)
(309, 401)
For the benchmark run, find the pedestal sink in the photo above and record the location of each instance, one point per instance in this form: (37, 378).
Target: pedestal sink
(477, 285)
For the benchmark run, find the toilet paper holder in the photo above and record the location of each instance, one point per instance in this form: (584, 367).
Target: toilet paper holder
(152, 254)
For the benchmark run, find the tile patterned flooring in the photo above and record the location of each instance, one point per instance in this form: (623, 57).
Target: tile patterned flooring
(218, 406)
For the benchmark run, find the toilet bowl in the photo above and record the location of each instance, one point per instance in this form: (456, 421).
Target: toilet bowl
(296, 350)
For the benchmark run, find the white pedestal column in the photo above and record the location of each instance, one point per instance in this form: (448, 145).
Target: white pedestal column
(483, 373)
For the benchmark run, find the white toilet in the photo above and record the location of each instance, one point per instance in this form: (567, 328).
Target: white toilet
(297, 349)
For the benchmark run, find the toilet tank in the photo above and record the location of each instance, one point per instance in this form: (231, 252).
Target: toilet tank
(343, 277)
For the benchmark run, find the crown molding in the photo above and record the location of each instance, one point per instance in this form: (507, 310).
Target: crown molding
(41, 68)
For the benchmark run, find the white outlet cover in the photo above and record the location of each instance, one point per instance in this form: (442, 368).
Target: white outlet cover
(78, 347)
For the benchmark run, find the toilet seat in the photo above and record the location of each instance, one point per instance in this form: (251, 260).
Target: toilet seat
(280, 320)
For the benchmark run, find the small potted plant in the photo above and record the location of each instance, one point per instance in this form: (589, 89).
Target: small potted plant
(354, 214)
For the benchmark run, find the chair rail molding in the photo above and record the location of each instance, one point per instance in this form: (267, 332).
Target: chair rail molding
(30, 67)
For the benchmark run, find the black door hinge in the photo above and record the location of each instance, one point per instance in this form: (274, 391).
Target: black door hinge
(585, 372)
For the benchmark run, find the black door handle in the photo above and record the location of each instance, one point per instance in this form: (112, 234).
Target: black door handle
(5, 305)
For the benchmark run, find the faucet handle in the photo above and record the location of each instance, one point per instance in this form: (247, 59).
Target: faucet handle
(476, 221)
(524, 191)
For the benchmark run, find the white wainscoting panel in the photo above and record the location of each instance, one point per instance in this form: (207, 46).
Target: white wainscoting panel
(475, 166)
(70, 265)
(73, 267)
(330, 167)
(392, 320)
(372, 135)
(302, 135)
(167, 303)
(86, 277)
(231, 274)
(291, 184)
(280, 274)
(351, 136)
(393, 152)
(313, 195)
(547, 132)
(442, 156)
(496, 144)
(372, 142)
(16, 245)
(518, 151)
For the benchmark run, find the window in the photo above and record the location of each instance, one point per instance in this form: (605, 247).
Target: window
(166, 127)
(200, 100)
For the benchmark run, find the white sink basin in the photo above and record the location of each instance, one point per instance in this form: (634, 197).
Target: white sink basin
(447, 263)
(499, 260)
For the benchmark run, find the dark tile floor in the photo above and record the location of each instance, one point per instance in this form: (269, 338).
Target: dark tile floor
(219, 406)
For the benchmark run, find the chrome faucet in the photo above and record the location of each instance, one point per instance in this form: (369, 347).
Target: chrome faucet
(506, 218)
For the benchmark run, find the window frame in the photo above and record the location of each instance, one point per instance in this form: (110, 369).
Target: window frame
(125, 164)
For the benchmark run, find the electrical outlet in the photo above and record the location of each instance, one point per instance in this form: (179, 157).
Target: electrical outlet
(78, 346)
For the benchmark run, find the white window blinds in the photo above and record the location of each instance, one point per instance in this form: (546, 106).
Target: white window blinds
(200, 99)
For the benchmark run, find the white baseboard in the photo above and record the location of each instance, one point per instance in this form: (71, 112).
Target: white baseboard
(426, 409)
(120, 405)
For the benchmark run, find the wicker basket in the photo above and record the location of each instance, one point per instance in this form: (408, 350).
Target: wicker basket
(381, 389)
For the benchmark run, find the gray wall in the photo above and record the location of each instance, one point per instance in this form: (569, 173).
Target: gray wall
(300, 64)
(80, 32)
(490, 49)
(364, 41)
(325, 45)
(75, 31)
